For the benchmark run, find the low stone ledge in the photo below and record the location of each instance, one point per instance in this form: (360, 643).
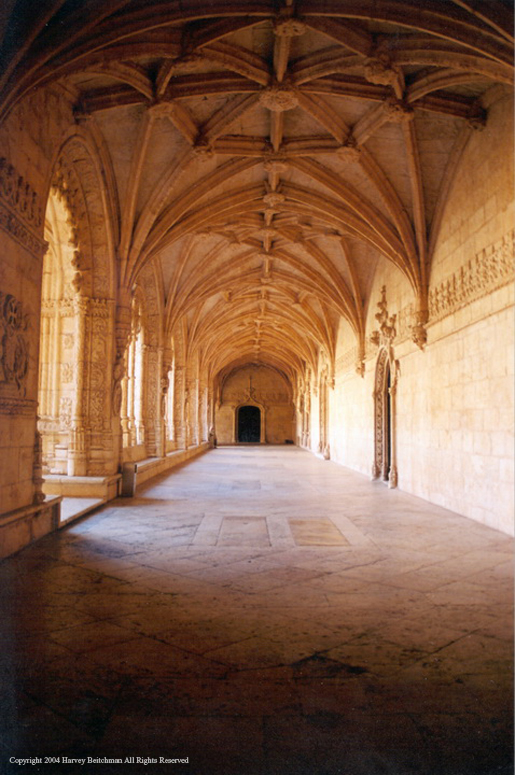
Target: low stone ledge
(147, 469)
(23, 526)
(104, 487)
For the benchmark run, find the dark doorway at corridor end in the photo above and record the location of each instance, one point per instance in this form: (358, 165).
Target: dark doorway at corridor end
(249, 424)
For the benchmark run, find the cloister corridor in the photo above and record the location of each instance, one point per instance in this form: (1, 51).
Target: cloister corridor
(262, 611)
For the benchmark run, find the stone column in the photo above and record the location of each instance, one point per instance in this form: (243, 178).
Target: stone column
(178, 408)
(77, 456)
(37, 470)
(392, 476)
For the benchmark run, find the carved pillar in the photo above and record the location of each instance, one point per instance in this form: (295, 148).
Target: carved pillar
(392, 474)
(164, 359)
(37, 470)
(378, 444)
(153, 403)
(124, 412)
(186, 422)
(178, 408)
(122, 330)
(77, 456)
(142, 373)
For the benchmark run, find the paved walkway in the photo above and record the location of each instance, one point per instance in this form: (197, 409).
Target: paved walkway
(262, 612)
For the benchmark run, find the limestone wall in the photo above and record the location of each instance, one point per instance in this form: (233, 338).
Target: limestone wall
(26, 157)
(454, 400)
(263, 387)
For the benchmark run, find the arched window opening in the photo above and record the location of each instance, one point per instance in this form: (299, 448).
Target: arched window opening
(60, 341)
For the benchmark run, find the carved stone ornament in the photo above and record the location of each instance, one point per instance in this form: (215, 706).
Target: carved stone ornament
(489, 269)
(161, 109)
(21, 233)
(360, 367)
(289, 28)
(203, 151)
(273, 199)
(387, 332)
(279, 98)
(14, 356)
(20, 207)
(418, 330)
(349, 153)
(278, 165)
(398, 111)
(116, 399)
(379, 71)
(19, 194)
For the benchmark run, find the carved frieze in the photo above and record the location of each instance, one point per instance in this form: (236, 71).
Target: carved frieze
(261, 396)
(13, 225)
(18, 194)
(488, 270)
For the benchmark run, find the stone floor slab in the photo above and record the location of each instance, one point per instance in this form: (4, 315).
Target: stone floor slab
(331, 627)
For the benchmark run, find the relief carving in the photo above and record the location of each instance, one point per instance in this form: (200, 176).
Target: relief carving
(385, 335)
(488, 270)
(14, 355)
(65, 412)
(19, 195)
(20, 233)
(279, 98)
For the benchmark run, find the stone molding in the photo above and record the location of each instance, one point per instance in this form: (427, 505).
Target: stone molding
(67, 307)
(25, 407)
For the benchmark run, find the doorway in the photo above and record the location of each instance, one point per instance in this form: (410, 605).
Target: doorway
(249, 424)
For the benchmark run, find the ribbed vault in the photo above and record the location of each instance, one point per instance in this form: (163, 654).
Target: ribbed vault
(267, 157)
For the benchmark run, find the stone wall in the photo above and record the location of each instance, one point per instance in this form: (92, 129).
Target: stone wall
(454, 400)
(258, 386)
(26, 157)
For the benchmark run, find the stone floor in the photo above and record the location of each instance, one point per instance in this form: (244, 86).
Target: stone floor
(262, 612)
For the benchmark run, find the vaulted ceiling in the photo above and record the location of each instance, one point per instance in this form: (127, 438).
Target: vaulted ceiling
(267, 156)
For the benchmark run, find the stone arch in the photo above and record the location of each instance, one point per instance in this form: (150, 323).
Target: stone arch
(81, 176)
(82, 298)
